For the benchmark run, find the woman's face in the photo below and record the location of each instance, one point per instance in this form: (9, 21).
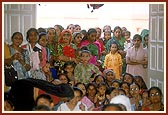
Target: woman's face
(17, 39)
(98, 33)
(117, 33)
(146, 39)
(125, 87)
(92, 37)
(43, 41)
(113, 48)
(128, 79)
(77, 29)
(155, 96)
(33, 37)
(77, 97)
(134, 90)
(91, 91)
(69, 68)
(63, 79)
(115, 85)
(82, 87)
(77, 39)
(107, 35)
(66, 37)
(102, 89)
(71, 28)
(99, 79)
(137, 42)
(110, 76)
(58, 31)
(51, 35)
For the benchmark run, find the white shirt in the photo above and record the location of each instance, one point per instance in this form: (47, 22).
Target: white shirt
(64, 107)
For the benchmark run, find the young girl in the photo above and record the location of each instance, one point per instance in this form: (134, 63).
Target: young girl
(136, 99)
(113, 61)
(100, 95)
(77, 28)
(109, 76)
(106, 37)
(92, 46)
(69, 71)
(91, 91)
(84, 70)
(45, 99)
(85, 99)
(42, 41)
(71, 27)
(127, 43)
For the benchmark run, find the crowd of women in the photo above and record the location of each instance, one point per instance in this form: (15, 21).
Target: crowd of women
(106, 68)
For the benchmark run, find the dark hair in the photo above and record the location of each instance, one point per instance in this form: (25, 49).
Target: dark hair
(112, 105)
(117, 27)
(129, 75)
(69, 25)
(137, 36)
(51, 28)
(42, 34)
(135, 84)
(60, 27)
(85, 51)
(97, 77)
(78, 83)
(41, 30)
(128, 32)
(76, 25)
(117, 81)
(113, 42)
(29, 31)
(124, 83)
(101, 84)
(156, 88)
(91, 84)
(120, 89)
(91, 30)
(109, 90)
(144, 84)
(59, 75)
(41, 108)
(45, 96)
(15, 34)
(67, 64)
(79, 90)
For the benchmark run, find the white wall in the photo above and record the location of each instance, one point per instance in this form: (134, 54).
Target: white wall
(134, 16)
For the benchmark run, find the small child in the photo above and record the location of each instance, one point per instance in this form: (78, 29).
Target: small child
(69, 71)
(127, 43)
(45, 99)
(84, 70)
(100, 96)
(85, 99)
(113, 60)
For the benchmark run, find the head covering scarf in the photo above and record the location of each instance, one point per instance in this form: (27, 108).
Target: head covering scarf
(62, 33)
(122, 99)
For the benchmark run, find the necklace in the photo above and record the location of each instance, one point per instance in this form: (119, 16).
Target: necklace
(101, 97)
